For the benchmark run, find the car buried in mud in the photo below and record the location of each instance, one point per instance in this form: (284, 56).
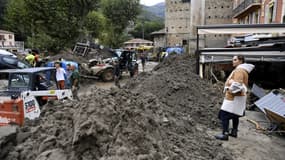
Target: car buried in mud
(103, 69)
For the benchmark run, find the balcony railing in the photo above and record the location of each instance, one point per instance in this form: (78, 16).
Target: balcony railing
(245, 5)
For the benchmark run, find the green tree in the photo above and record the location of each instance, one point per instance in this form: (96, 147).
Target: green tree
(55, 25)
(16, 19)
(3, 4)
(94, 24)
(146, 28)
(61, 22)
(118, 13)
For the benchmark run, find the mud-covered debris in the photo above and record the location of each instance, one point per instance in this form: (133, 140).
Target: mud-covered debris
(158, 116)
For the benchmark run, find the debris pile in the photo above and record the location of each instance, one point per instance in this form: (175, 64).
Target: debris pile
(176, 85)
(92, 54)
(163, 115)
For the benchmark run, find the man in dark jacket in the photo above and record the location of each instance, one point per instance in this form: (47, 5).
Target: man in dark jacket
(117, 73)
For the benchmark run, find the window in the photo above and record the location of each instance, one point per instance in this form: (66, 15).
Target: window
(271, 13)
(20, 80)
(10, 36)
(2, 37)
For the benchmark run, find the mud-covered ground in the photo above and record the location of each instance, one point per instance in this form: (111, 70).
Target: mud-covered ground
(166, 114)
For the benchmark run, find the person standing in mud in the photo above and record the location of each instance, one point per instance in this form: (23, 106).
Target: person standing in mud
(68, 74)
(117, 73)
(234, 103)
(143, 59)
(74, 81)
(60, 74)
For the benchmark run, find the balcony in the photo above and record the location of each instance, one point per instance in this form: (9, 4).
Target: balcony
(246, 7)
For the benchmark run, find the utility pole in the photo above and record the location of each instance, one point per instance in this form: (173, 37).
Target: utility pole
(143, 30)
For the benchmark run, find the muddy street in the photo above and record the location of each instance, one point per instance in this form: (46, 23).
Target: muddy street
(165, 113)
(125, 78)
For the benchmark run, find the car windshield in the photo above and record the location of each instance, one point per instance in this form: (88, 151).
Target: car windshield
(20, 80)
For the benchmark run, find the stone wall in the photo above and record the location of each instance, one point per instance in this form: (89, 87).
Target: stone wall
(177, 21)
(217, 12)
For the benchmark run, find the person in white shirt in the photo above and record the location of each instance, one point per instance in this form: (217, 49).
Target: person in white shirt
(60, 78)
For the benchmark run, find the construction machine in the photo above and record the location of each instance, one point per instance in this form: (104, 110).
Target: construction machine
(28, 89)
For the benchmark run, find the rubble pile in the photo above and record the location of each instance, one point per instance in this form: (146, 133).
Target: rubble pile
(158, 116)
(176, 85)
(69, 57)
(92, 54)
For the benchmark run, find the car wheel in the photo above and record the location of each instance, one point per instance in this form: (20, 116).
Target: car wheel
(108, 75)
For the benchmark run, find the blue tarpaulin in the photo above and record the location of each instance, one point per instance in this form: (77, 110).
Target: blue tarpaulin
(176, 50)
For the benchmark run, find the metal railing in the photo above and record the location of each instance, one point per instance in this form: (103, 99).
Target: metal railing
(241, 7)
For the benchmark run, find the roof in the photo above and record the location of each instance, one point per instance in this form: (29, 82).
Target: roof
(162, 31)
(6, 32)
(241, 28)
(138, 40)
(274, 101)
(27, 70)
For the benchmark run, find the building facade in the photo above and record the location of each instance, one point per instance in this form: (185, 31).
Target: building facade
(177, 22)
(135, 43)
(217, 12)
(7, 39)
(182, 17)
(159, 40)
(259, 11)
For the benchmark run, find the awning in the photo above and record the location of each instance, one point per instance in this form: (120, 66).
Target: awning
(241, 28)
(246, 53)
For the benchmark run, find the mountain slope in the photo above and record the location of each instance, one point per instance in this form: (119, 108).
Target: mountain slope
(156, 10)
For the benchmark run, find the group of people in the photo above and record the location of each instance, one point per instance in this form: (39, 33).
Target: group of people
(33, 58)
(68, 79)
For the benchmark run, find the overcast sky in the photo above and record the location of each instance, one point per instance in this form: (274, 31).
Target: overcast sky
(151, 2)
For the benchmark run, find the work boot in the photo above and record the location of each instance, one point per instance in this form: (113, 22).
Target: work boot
(223, 136)
(233, 133)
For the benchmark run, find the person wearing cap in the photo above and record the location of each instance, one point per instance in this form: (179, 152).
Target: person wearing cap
(60, 75)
